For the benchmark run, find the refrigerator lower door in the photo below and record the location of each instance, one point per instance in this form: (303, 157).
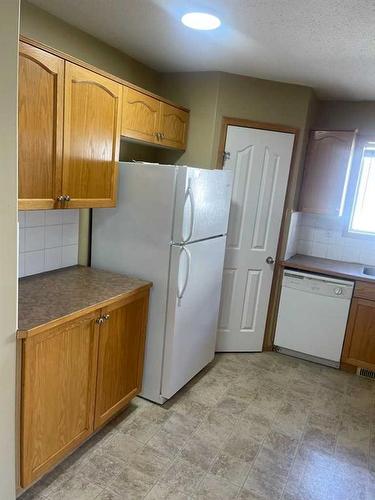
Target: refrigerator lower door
(192, 311)
(202, 204)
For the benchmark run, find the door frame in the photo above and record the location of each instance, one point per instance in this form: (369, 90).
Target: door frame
(273, 306)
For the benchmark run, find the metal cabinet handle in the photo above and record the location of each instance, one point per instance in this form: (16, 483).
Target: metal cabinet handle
(60, 198)
(162, 135)
(66, 197)
(100, 320)
(270, 260)
(106, 317)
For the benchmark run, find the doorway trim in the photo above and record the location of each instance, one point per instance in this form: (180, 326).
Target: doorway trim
(273, 306)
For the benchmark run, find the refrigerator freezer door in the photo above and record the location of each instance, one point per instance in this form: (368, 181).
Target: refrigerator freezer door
(192, 311)
(202, 204)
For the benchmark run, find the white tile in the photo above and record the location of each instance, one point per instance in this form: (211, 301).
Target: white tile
(70, 234)
(34, 262)
(350, 254)
(367, 257)
(53, 258)
(323, 236)
(34, 238)
(70, 216)
(54, 236)
(319, 249)
(304, 247)
(333, 252)
(21, 265)
(21, 218)
(69, 255)
(54, 217)
(35, 218)
(21, 243)
(306, 233)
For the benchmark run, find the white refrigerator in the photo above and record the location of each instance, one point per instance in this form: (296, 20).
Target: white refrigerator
(170, 227)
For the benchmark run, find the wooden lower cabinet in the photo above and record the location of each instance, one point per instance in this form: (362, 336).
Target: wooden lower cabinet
(58, 385)
(359, 345)
(120, 362)
(75, 377)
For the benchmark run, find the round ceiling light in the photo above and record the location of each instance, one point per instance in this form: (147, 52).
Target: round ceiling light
(200, 21)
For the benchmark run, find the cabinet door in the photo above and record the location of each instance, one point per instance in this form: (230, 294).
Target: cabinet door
(40, 122)
(121, 351)
(91, 138)
(173, 126)
(359, 345)
(327, 169)
(58, 384)
(140, 116)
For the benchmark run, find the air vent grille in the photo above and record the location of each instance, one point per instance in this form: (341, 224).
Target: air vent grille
(364, 372)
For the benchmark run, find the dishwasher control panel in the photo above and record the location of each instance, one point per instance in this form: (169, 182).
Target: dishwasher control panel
(322, 285)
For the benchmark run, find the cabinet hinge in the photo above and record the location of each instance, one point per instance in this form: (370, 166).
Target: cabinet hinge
(226, 155)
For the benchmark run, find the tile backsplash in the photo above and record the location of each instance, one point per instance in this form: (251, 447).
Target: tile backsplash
(322, 236)
(48, 239)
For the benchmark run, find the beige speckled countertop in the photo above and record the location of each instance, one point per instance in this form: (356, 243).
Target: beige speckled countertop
(336, 268)
(47, 297)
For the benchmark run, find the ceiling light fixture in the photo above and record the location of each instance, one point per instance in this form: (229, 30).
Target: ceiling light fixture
(200, 21)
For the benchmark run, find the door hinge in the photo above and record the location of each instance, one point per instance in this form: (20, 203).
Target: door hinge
(226, 155)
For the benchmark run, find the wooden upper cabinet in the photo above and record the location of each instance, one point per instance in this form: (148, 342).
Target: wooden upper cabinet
(58, 394)
(140, 116)
(173, 126)
(91, 138)
(359, 345)
(120, 360)
(146, 118)
(41, 99)
(327, 169)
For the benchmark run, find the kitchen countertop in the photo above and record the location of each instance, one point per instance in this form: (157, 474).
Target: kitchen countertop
(336, 268)
(48, 297)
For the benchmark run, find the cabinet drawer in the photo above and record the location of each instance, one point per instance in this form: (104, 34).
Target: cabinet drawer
(364, 290)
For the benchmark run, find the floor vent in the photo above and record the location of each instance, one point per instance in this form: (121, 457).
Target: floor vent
(364, 372)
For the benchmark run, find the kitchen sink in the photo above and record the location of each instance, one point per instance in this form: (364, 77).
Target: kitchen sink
(370, 271)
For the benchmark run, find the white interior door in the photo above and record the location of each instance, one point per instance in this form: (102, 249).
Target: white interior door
(260, 161)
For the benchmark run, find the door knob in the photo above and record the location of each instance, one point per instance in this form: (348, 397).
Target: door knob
(270, 260)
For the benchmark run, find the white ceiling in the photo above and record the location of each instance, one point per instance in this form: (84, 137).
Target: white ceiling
(326, 44)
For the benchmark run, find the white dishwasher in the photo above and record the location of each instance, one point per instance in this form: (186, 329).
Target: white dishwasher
(312, 317)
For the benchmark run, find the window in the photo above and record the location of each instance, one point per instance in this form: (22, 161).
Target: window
(362, 220)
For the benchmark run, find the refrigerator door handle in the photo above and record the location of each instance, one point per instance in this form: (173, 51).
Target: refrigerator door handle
(180, 293)
(190, 196)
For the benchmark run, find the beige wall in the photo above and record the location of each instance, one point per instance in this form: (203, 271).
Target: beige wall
(346, 115)
(265, 101)
(211, 96)
(199, 93)
(8, 247)
(38, 24)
